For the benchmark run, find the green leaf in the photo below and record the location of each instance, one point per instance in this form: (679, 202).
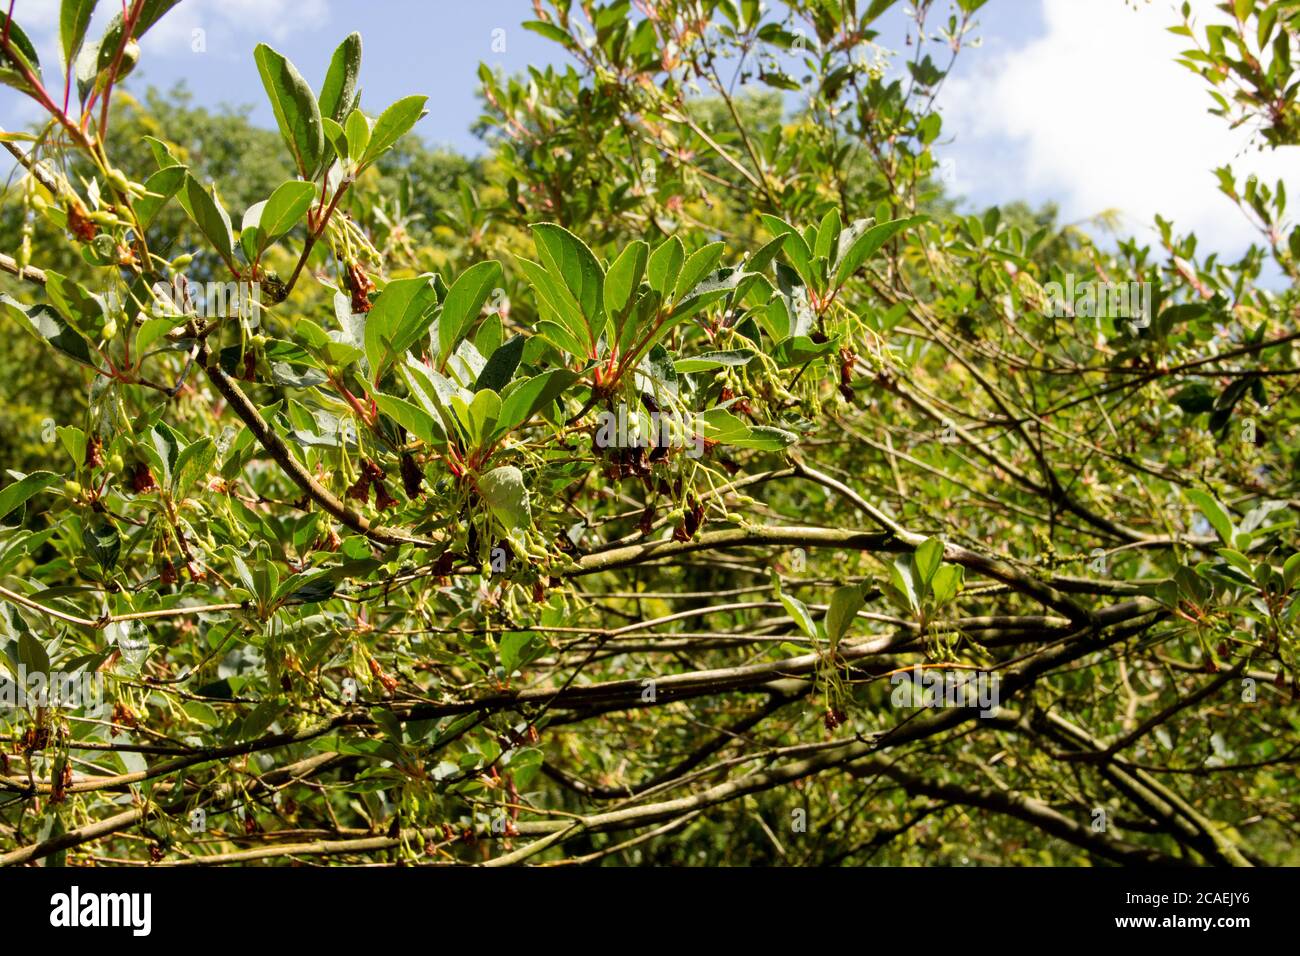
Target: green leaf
(845, 603)
(1238, 561)
(23, 50)
(211, 218)
(795, 247)
(287, 205)
(387, 721)
(102, 542)
(74, 440)
(708, 360)
(561, 337)
(340, 87)
(16, 494)
(868, 244)
(724, 427)
(548, 30)
(1214, 513)
(500, 367)
(801, 349)
(567, 258)
(358, 134)
(1291, 571)
(259, 719)
(86, 68)
(392, 124)
(523, 401)
(665, 265)
(397, 316)
(151, 11)
(799, 612)
(800, 256)
(559, 310)
(162, 186)
(296, 110)
(463, 304)
(928, 556)
(193, 463)
(828, 234)
(478, 416)
(624, 276)
(32, 654)
(74, 19)
(47, 324)
(414, 419)
(524, 766)
(504, 493)
(701, 263)
(903, 578)
(947, 581)
(336, 137)
(511, 649)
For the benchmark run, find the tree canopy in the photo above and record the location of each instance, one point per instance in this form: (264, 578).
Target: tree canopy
(690, 479)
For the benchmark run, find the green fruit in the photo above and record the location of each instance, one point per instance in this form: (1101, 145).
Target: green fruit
(72, 488)
(119, 181)
(116, 464)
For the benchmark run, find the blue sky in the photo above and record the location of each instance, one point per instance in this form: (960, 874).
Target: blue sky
(1076, 101)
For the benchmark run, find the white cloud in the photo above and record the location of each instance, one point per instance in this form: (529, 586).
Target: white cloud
(36, 15)
(228, 24)
(1096, 115)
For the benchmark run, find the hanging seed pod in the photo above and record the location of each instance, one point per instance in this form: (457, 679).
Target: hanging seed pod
(383, 500)
(79, 223)
(330, 542)
(360, 490)
(646, 524)
(94, 452)
(443, 565)
(412, 476)
(142, 479)
(390, 683)
(360, 286)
